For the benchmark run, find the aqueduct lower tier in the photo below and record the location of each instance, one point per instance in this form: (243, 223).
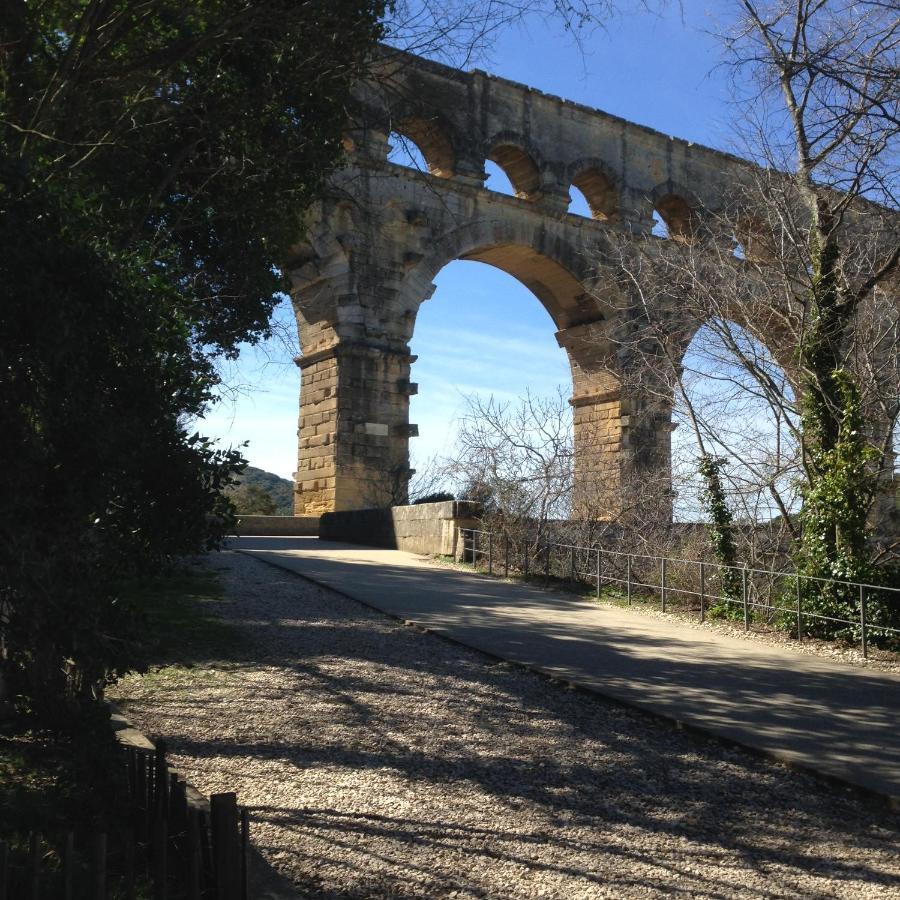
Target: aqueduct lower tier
(385, 231)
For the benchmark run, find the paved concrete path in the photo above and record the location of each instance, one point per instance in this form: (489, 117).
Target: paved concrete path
(833, 718)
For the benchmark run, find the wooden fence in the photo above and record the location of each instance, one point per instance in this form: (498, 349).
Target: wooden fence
(174, 846)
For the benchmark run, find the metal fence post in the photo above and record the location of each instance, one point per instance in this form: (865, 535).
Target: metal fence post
(547, 563)
(746, 598)
(628, 578)
(662, 583)
(506, 556)
(572, 563)
(702, 591)
(490, 553)
(599, 583)
(862, 620)
(799, 611)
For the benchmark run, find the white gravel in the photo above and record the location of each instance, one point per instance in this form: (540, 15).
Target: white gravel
(382, 762)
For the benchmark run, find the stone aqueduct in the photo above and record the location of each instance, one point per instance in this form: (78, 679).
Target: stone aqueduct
(385, 231)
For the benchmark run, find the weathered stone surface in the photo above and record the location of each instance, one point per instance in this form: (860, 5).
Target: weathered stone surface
(385, 231)
(429, 528)
(302, 526)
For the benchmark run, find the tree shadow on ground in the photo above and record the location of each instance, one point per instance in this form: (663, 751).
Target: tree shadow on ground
(603, 770)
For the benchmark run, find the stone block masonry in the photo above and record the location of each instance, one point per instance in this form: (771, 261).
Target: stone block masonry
(432, 529)
(383, 232)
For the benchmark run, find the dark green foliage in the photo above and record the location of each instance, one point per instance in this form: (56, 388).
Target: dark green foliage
(842, 464)
(262, 493)
(156, 163)
(437, 497)
(721, 534)
(834, 541)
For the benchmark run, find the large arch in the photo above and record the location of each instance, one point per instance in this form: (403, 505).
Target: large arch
(743, 403)
(354, 424)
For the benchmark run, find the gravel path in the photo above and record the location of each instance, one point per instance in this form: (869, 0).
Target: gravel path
(382, 762)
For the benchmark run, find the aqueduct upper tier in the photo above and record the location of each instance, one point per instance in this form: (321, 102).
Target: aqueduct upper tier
(384, 231)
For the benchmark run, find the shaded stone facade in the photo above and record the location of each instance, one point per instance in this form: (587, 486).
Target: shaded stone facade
(376, 243)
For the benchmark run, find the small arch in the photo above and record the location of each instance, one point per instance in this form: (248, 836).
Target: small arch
(403, 151)
(578, 203)
(755, 239)
(599, 192)
(497, 180)
(520, 168)
(676, 217)
(431, 141)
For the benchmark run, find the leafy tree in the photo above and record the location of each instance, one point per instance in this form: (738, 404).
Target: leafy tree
(156, 164)
(268, 490)
(252, 500)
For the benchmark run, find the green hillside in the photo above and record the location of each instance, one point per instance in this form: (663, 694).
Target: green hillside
(262, 493)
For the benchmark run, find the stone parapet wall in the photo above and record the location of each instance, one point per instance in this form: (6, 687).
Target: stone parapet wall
(296, 526)
(428, 528)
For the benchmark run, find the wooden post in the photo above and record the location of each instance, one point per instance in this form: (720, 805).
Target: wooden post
(98, 864)
(68, 862)
(160, 872)
(226, 851)
(245, 853)
(195, 857)
(128, 861)
(140, 796)
(4, 870)
(34, 865)
(177, 804)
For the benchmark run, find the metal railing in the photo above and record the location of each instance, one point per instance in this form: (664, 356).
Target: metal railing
(754, 594)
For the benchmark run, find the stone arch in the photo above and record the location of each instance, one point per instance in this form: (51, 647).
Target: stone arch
(557, 276)
(745, 420)
(519, 162)
(755, 239)
(432, 138)
(599, 189)
(554, 272)
(678, 210)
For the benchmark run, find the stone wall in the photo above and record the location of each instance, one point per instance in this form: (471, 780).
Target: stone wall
(297, 526)
(382, 232)
(428, 528)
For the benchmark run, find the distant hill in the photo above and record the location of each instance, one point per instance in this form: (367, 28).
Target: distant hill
(262, 493)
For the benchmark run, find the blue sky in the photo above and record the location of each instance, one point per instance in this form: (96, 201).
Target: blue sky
(657, 70)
